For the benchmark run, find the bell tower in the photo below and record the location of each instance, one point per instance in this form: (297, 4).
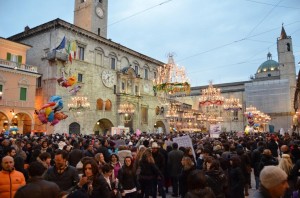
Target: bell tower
(92, 15)
(286, 57)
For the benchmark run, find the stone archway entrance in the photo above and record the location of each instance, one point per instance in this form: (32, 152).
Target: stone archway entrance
(74, 128)
(160, 127)
(102, 126)
(21, 123)
(3, 122)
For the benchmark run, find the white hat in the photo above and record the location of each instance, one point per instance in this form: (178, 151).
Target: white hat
(155, 145)
(271, 176)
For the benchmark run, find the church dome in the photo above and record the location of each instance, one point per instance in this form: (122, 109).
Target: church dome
(269, 65)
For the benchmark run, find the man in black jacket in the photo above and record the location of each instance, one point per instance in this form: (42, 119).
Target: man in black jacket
(63, 175)
(37, 187)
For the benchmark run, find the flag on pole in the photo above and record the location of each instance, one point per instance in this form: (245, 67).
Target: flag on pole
(69, 52)
(74, 48)
(62, 44)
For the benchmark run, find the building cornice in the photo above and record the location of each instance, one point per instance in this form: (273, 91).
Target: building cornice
(58, 23)
(16, 71)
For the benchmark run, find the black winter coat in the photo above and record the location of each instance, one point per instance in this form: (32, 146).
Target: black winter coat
(37, 188)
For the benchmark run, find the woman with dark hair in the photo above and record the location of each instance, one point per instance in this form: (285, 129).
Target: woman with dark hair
(45, 159)
(149, 172)
(216, 179)
(197, 186)
(114, 161)
(236, 178)
(127, 179)
(187, 167)
(93, 183)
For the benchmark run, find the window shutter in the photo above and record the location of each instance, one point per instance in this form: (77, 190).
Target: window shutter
(8, 56)
(20, 59)
(23, 92)
(1, 88)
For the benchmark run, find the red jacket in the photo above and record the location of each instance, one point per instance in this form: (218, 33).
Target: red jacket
(10, 182)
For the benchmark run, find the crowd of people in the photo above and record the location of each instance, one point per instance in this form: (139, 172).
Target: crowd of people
(60, 165)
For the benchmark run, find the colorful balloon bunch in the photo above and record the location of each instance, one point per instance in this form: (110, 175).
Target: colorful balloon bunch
(50, 112)
(67, 82)
(252, 126)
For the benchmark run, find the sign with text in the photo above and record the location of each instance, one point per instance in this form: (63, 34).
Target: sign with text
(185, 141)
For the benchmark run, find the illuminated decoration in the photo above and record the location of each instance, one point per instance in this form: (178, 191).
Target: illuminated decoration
(255, 118)
(214, 119)
(78, 104)
(232, 104)
(211, 96)
(126, 111)
(172, 112)
(170, 81)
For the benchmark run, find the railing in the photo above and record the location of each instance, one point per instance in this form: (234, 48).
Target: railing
(18, 66)
(57, 55)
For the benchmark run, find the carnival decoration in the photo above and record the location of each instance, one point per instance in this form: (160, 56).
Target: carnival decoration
(67, 82)
(211, 96)
(170, 81)
(75, 89)
(255, 119)
(50, 112)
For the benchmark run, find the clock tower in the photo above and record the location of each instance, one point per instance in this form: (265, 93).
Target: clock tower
(91, 15)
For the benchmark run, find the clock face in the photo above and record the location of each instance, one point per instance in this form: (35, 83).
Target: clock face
(99, 12)
(108, 78)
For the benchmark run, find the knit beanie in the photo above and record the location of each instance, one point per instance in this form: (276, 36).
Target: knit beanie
(271, 176)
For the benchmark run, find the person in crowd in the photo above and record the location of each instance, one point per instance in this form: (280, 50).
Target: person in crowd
(205, 152)
(44, 146)
(189, 153)
(255, 158)
(64, 175)
(147, 175)
(273, 146)
(90, 180)
(75, 155)
(187, 167)
(236, 178)
(104, 149)
(197, 186)
(19, 166)
(295, 153)
(89, 150)
(174, 167)
(11, 152)
(273, 183)
(107, 189)
(128, 185)
(286, 165)
(5, 145)
(37, 187)
(139, 155)
(45, 159)
(115, 163)
(267, 159)
(216, 179)
(123, 152)
(160, 163)
(11, 179)
(99, 157)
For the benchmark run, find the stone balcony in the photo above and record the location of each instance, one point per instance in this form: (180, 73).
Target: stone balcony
(57, 55)
(17, 66)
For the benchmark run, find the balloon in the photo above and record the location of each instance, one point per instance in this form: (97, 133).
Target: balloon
(71, 80)
(60, 116)
(75, 89)
(48, 110)
(54, 122)
(51, 117)
(49, 104)
(42, 117)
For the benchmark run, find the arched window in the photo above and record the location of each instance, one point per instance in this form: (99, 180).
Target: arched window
(99, 104)
(108, 105)
(288, 47)
(74, 128)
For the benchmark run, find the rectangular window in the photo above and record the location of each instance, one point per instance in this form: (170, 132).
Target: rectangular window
(81, 53)
(98, 31)
(154, 75)
(39, 82)
(146, 74)
(23, 93)
(144, 115)
(123, 86)
(113, 63)
(136, 68)
(1, 88)
(80, 77)
(136, 90)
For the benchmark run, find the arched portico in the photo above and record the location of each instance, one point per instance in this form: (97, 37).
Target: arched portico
(102, 126)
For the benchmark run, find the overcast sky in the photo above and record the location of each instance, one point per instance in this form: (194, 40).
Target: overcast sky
(219, 40)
